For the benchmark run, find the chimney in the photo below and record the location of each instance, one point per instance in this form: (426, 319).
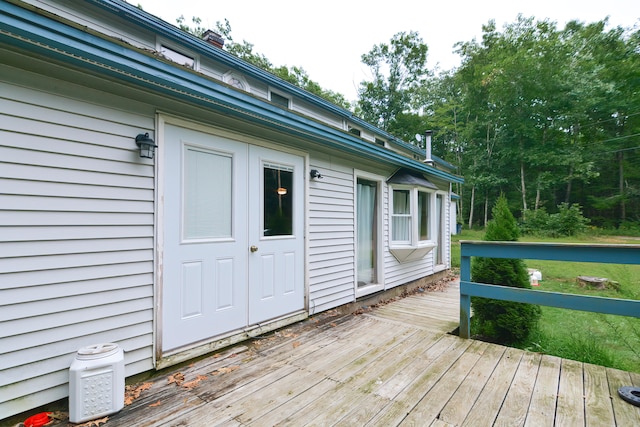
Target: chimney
(427, 146)
(213, 38)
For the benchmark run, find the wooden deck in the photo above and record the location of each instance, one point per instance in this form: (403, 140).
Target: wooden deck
(390, 365)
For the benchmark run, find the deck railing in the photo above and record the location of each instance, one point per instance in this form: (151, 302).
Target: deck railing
(611, 254)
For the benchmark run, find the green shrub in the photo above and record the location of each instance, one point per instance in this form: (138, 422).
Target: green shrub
(568, 221)
(505, 322)
(536, 222)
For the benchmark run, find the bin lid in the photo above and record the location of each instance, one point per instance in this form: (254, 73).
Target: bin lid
(97, 351)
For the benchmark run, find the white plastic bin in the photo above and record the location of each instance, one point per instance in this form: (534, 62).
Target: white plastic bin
(96, 382)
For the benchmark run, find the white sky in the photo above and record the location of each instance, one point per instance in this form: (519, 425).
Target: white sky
(328, 38)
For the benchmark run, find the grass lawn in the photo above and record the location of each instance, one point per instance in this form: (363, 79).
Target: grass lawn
(606, 340)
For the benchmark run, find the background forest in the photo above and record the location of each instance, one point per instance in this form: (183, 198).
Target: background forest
(548, 116)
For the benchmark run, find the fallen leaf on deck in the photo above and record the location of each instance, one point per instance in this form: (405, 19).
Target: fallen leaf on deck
(227, 369)
(333, 324)
(58, 415)
(296, 344)
(132, 392)
(158, 403)
(193, 384)
(93, 423)
(177, 378)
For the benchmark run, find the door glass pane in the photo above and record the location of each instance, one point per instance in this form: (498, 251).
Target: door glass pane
(367, 216)
(423, 215)
(278, 200)
(207, 195)
(401, 216)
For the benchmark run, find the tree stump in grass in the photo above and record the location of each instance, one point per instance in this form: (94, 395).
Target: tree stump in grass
(596, 282)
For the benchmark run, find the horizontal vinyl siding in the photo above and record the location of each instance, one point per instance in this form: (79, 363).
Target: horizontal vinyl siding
(76, 236)
(331, 237)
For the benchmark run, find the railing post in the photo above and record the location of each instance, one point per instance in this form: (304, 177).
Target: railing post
(465, 300)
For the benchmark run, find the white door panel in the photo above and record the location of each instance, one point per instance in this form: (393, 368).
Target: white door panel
(234, 246)
(205, 259)
(276, 227)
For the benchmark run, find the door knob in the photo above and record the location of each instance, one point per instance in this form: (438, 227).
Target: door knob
(253, 248)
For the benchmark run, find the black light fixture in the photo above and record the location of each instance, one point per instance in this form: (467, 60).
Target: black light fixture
(315, 174)
(147, 145)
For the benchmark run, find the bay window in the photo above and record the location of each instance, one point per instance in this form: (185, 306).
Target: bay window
(413, 219)
(410, 217)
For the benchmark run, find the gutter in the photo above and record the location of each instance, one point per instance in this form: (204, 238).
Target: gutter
(53, 39)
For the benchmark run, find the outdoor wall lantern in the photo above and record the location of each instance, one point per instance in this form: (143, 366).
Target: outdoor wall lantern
(147, 145)
(281, 191)
(315, 174)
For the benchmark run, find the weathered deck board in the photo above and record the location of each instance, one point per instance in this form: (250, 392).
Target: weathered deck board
(598, 410)
(516, 403)
(570, 403)
(393, 365)
(485, 409)
(545, 393)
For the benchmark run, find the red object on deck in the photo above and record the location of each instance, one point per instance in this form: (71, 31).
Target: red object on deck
(37, 420)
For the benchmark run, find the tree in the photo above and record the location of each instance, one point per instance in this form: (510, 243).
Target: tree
(244, 50)
(398, 70)
(503, 321)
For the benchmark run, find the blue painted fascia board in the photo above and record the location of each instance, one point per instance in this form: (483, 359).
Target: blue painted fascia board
(54, 39)
(144, 19)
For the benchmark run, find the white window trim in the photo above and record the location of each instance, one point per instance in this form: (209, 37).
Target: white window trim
(415, 248)
(379, 286)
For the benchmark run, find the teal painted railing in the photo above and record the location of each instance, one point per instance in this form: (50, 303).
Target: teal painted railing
(610, 254)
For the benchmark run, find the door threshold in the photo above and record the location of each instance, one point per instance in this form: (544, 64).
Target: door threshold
(221, 341)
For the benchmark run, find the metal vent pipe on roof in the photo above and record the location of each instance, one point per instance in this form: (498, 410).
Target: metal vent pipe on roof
(427, 146)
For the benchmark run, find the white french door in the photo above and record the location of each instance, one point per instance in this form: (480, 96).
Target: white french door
(276, 227)
(233, 245)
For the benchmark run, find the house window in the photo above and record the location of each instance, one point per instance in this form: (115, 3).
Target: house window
(369, 260)
(277, 198)
(423, 215)
(207, 209)
(437, 256)
(401, 216)
(236, 81)
(355, 131)
(410, 216)
(367, 231)
(280, 100)
(177, 57)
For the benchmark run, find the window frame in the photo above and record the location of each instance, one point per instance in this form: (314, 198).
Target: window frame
(414, 248)
(162, 43)
(379, 285)
(281, 95)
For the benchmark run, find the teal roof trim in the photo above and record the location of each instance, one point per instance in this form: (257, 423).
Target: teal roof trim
(53, 39)
(141, 18)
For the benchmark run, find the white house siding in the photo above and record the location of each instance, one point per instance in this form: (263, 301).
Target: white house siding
(331, 236)
(76, 234)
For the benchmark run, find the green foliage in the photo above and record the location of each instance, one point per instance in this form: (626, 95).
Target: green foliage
(196, 29)
(581, 345)
(244, 50)
(398, 70)
(503, 321)
(568, 221)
